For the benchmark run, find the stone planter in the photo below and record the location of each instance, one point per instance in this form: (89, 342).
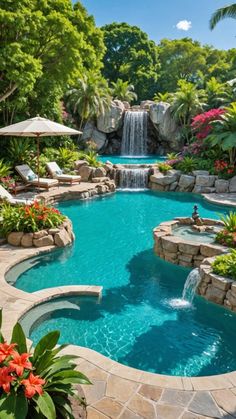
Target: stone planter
(216, 288)
(179, 250)
(59, 237)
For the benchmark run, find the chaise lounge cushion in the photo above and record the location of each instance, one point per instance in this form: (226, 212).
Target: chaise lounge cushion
(29, 176)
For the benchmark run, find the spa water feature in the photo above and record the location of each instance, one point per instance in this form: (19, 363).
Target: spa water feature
(135, 179)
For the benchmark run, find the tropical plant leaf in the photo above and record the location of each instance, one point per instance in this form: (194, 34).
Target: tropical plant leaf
(47, 342)
(13, 407)
(18, 337)
(46, 405)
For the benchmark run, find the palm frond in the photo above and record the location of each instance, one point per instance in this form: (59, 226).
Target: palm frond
(223, 13)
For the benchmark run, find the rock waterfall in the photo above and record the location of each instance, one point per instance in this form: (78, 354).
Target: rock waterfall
(134, 138)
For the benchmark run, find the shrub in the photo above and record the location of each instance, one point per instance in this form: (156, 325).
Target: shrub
(227, 236)
(225, 265)
(66, 157)
(29, 218)
(5, 169)
(187, 165)
(224, 169)
(201, 124)
(7, 182)
(164, 167)
(36, 385)
(229, 221)
(21, 150)
(91, 158)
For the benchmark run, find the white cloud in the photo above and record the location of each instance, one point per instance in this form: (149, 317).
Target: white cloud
(184, 25)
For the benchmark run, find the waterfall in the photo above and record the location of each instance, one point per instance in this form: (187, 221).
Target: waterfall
(191, 285)
(189, 291)
(133, 178)
(134, 138)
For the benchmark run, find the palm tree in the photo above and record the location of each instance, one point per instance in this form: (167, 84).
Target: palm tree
(222, 13)
(187, 102)
(163, 97)
(124, 91)
(90, 98)
(217, 93)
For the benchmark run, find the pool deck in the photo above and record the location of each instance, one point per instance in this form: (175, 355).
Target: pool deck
(119, 391)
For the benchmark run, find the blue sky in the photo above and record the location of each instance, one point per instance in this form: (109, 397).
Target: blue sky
(159, 18)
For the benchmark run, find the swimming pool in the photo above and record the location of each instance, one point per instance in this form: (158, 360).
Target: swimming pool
(135, 322)
(132, 160)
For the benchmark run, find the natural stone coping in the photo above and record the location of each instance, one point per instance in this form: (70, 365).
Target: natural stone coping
(16, 303)
(228, 199)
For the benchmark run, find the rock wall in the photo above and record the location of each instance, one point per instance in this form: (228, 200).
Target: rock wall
(106, 131)
(199, 181)
(58, 237)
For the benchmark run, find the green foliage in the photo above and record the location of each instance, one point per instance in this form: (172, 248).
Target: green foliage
(5, 169)
(229, 221)
(187, 103)
(91, 158)
(164, 167)
(44, 385)
(163, 97)
(223, 13)
(132, 57)
(124, 91)
(187, 165)
(225, 265)
(21, 150)
(218, 94)
(89, 98)
(66, 157)
(29, 218)
(224, 132)
(172, 156)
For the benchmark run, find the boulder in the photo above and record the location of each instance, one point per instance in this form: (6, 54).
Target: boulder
(14, 238)
(79, 163)
(189, 248)
(90, 132)
(62, 238)
(146, 104)
(100, 172)
(232, 184)
(27, 240)
(203, 189)
(112, 119)
(85, 172)
(165, 124)
(44, 241)
(200, 172)
(170, 244)
(222, 186)
(161, 179)
(39, 234)
(186, 182)
(205, 180)
(215, 294)
(209, 250)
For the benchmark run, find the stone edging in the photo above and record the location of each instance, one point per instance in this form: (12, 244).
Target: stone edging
(180, 251)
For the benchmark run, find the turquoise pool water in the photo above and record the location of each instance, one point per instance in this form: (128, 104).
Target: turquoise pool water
(135, 322)
(132, 160)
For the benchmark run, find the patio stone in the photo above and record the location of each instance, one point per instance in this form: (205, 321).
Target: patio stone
(168, 412)
(109, 407)
(177, 397)
(128, 414)
(120, 388)
(150, 392)
(141, 406)
(226, 400)
(204, 404)
(94, 392)
(94, 414)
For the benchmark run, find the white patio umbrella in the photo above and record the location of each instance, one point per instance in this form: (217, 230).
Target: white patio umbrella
(37, 127)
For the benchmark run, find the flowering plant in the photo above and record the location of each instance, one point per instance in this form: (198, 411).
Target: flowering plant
(201, 124)
(7, 182)
(29, 218)
(36, 385)
(224, 169)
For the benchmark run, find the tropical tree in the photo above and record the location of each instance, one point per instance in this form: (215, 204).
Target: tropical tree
(163, 97)
(131, 56)
(223, 13)
(224, 132)
(124, 91)
(187, 102)
(89, 98)
(217, 93)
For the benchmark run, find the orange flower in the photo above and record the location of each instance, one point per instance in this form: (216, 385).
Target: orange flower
(6, 350)
(6, 379)
(19, 362)
(33, 385)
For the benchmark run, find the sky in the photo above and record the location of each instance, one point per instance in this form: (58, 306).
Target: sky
(173, 19)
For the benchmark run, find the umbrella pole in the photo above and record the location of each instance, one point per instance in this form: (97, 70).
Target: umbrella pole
(38, 159)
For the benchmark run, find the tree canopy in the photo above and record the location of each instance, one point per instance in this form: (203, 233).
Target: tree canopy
(131, 57)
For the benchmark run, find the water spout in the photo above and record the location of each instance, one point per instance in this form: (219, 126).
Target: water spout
(191, 285)
(134, 138)
(134, 179)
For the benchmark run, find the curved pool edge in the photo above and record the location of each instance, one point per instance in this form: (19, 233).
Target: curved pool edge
(17, 303)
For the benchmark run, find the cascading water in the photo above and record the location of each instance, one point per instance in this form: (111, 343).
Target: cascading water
(189, 290)
(133, 178)
(134, 138)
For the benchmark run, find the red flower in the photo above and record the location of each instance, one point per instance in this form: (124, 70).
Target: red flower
(6, 350)
(19, 363)
(6, 379)
(33, 385)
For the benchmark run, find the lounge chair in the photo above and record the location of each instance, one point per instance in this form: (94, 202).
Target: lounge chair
(30, 177)
(6, 196)
(57, 173)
